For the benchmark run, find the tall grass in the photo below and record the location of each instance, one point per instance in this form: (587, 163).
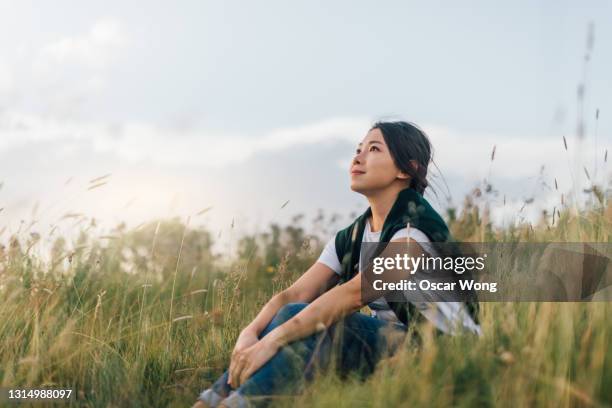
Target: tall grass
(148, 317)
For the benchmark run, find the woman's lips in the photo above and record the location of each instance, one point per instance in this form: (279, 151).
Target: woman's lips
(356, 173)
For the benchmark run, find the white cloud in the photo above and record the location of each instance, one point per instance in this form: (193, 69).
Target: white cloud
(456, 153)
(94, 49)
(6, 78)
(516, 156)
(181, 163)
(66, 72)
(137, 141)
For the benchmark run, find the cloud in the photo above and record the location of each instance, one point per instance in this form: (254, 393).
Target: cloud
(138, 141)
(456, 153)
(153, 165)
(94, 49)
(63, 75)
(6, 78)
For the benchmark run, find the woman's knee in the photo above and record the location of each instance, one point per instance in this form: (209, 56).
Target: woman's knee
(283, 314)
(289, 310)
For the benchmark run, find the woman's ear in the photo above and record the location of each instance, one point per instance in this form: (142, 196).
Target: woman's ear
(404, 176)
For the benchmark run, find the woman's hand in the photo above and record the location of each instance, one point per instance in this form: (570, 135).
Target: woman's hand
(246, 362)
(246, 339)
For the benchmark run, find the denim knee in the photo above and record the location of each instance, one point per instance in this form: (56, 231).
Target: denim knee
(285, 313)
(289, 310)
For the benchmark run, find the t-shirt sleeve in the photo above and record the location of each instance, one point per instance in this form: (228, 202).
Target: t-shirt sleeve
(419, 236)
(329, 257)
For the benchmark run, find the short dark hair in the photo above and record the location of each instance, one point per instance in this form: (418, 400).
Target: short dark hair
(406, 142)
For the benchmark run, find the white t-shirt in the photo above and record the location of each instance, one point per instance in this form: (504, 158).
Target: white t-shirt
(447, 316)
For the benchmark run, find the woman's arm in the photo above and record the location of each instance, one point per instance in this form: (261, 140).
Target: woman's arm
(327, 309)
(321, 313)
(316, 280)
(334, 304)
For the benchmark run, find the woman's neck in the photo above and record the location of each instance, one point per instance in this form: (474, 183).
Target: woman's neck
(381, 204)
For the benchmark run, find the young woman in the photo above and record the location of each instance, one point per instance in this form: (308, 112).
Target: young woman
(293, 334)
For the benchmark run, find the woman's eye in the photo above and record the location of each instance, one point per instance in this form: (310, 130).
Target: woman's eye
(357, 151)
(373, 147)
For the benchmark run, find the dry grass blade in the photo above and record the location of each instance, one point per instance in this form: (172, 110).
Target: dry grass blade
(97, 179)
(587, 173)
(71, 215)
(598, 193)
(286, 202)
(565, 143)
(102, 343)
(178, 260)
(184, 369)
(204, 211)
(97, 185)
(563, 385)
(178, 319)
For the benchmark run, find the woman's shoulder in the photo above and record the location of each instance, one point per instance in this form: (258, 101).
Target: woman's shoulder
(419, 236)
(414, 233)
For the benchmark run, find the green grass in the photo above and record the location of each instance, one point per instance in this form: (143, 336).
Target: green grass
(123, 321)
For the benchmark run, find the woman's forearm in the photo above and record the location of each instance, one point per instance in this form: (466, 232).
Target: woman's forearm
(267, 312)
(327, 309)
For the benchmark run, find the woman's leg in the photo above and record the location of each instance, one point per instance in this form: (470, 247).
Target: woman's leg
(364, 340)
(359, 341)
(265, 379)
(284, 373)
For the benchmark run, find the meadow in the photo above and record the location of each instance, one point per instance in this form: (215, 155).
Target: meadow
(148, 316)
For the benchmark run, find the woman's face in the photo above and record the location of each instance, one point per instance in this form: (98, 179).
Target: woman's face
(372, 168)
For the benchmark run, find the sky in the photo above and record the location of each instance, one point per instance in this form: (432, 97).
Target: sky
(243, 106)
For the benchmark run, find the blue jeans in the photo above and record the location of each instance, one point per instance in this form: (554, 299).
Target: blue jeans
(354, 344)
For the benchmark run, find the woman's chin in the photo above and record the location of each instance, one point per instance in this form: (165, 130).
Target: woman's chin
(356, 187)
